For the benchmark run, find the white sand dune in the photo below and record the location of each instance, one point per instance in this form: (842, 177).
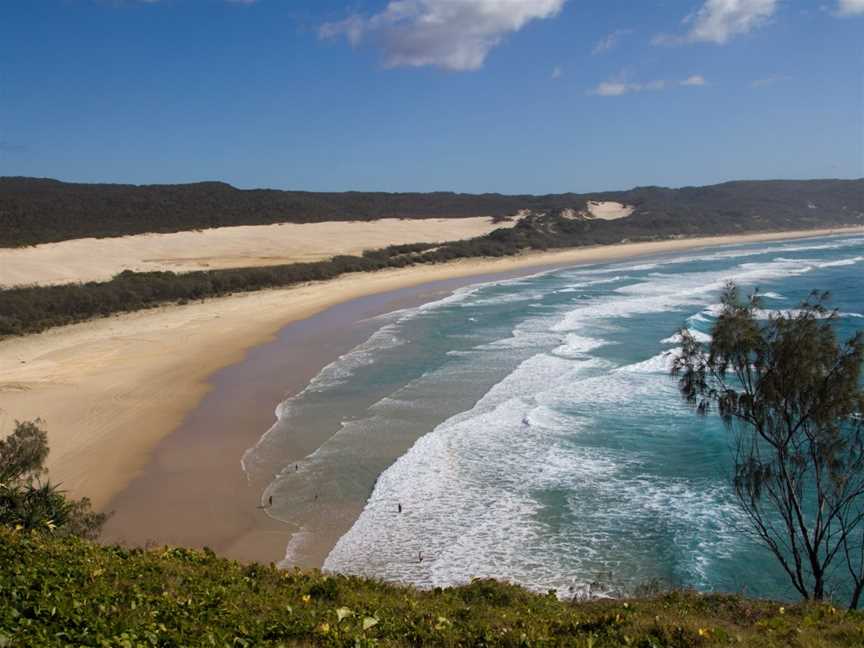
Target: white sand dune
(609, 210)
(92, 259)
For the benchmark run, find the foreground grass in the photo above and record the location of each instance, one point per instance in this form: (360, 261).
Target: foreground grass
(73, 593)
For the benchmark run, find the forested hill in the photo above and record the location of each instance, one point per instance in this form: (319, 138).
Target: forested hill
(34, 210)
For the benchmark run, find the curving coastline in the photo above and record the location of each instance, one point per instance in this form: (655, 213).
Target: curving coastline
(112, 390)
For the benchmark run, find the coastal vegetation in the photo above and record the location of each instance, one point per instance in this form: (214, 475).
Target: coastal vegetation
(71, 592)
(30, 309)
(28, 504)
(36, 210)
(791, 396)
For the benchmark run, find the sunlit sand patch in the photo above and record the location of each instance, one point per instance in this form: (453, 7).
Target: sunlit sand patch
(609, 210)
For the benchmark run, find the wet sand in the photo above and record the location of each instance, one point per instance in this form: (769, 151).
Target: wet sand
(194, 493)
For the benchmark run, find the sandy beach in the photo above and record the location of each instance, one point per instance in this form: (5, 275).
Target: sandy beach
(112, 391)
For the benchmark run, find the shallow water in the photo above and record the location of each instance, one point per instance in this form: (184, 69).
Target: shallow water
(540, 438)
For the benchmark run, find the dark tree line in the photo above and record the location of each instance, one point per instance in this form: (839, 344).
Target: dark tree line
(36, 210)
(36, 308)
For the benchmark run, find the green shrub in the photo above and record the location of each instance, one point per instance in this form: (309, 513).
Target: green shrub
(70, 592)
(28, 504)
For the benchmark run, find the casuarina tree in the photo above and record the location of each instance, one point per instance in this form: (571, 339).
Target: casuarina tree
(790, 394)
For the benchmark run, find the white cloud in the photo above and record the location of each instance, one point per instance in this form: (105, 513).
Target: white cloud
(695, 80)
(718, 21)
(616, 88)
(450, 34)
(610, 41)
(850, 7)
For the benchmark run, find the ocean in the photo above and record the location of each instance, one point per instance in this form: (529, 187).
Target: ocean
(528, 430)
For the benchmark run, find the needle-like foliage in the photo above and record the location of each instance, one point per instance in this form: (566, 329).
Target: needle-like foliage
(791, 395)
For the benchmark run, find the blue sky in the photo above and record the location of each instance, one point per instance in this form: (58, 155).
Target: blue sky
(513, 96)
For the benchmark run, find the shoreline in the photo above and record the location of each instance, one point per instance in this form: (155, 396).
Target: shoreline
(113, 391)
(170, 502)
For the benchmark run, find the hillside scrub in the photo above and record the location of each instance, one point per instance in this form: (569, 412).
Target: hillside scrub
(37, 210)
(64, 592)
(31, 309)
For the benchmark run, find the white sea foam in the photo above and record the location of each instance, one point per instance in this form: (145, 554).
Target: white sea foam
(841, 262)
(362, 355)
(698, 335)
(712, 311)
(468, 489)
(736, 253)
(838, 263)
(476, 491)
(387, 337)
(660, 363)
(666, 292)
(504, 298)
(579, 286)
(335, 373)
(578, 345)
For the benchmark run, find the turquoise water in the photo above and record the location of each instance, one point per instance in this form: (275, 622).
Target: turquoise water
(539, 437)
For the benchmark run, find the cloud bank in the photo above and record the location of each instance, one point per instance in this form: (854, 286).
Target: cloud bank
(695, 80)
(449, 34)
(610, 41)
(618, 88)
(719, 21)
(850, 7)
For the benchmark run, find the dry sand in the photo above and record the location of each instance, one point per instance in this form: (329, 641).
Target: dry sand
(92, 259)
(609, 210)
(111, 389)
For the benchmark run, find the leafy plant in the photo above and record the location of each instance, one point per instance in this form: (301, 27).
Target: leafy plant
(27, 503)
(68, 592)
